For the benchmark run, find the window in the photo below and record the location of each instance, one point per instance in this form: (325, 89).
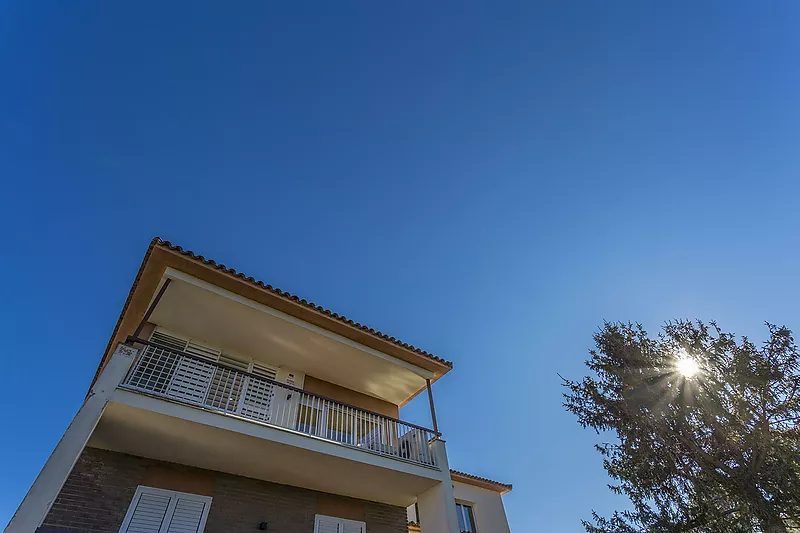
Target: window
(166, 511)
(331, 524)
(466, 520)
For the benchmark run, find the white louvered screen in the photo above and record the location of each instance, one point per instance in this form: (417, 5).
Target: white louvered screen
(352, 526)
(164, 511)
(226, 386)
(199, 350)
(192, 377)
(187, 516)
(264, 371)
(258, 394)
(332, 524)
(233, 361)
(148, 515)
(326, 524)
(170, 341)
(191, 380)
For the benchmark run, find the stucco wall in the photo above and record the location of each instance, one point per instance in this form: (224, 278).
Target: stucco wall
(487, 506)
(336, 392)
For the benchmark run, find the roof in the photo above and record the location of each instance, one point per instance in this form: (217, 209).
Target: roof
(157, 241)
(482, 482)
(161, 254)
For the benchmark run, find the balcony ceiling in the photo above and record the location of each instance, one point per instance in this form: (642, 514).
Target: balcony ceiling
(144, 433)
(237, 325)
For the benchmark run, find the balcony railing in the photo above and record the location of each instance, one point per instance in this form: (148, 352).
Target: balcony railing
(191, 379)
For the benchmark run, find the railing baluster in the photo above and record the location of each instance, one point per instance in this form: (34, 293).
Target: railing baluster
(380, 435)
(280, 411)
(187, 378)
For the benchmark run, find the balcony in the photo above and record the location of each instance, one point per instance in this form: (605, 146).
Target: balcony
(189, 378)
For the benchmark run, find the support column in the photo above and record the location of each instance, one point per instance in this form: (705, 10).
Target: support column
(433, 409)
(40, 497)
(437, 505)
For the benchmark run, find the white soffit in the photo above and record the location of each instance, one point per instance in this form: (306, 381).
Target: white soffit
(222, 318)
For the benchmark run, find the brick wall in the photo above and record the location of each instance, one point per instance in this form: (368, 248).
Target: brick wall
(100, 488)
(98, 492)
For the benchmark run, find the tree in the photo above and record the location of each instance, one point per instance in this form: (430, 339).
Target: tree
(708, 452)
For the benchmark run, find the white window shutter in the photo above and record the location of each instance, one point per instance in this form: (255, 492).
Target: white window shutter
(148, 514)
(164, 511)
(187, 516)
(352, 526)
(209, 354)
(159, 336)
(332, 524)
(326, 524)
(191, 380)
(258, 393)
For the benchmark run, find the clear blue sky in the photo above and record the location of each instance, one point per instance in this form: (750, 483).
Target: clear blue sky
(488, 181)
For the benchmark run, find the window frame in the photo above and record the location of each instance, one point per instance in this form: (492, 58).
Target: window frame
(469, 509)
(174, 495)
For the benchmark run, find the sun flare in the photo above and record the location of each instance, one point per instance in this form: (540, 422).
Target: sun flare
(687, 366)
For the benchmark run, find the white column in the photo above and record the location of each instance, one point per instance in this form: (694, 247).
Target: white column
(437, 505)
(36, 504)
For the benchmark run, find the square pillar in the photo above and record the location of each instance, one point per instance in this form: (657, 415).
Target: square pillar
(437, 505)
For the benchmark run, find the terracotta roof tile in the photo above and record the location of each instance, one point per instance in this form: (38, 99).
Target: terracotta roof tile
(504, 487)
(157, 241)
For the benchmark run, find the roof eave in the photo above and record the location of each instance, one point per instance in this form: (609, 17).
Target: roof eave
(274, 297)
(482, 482)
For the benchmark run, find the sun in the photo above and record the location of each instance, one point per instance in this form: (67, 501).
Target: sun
(687, 366)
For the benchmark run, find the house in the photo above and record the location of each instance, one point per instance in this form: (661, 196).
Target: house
(225, 405)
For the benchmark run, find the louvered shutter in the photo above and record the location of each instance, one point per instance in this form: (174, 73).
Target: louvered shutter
(258, 393)
(326, 524)
(226, 385)
(149, 513)
(168, 340)
(163, 511)
(193, 376)
(187, 516)
(352, 526)
(332, 524)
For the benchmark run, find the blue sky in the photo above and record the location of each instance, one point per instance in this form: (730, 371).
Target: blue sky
(489, 181)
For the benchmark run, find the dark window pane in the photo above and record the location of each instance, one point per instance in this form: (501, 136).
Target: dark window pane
(460, 512)
(470, 519)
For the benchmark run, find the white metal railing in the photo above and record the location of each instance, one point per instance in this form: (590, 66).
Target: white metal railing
(191, 379)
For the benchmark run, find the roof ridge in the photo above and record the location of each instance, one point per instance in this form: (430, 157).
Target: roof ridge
(158, 241)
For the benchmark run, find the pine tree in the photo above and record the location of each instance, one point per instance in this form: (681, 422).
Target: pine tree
(706, 426)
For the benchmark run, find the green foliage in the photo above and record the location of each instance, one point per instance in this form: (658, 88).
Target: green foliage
(717, 452)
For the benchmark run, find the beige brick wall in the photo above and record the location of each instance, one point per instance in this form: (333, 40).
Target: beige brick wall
(99, 490)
